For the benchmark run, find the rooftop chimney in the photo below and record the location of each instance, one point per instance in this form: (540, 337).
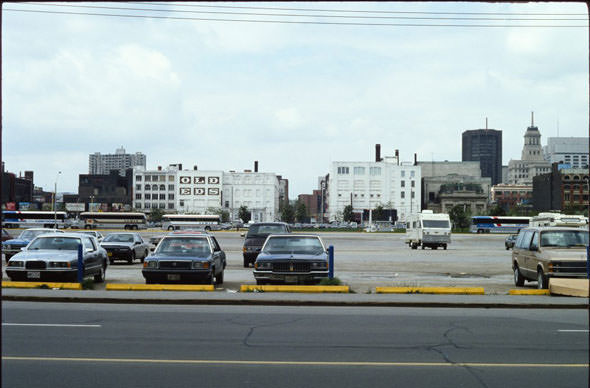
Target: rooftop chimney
(195, 168)
(397, 156)
(377, 152)
(415, 159)
(159, 168)
(256, 166)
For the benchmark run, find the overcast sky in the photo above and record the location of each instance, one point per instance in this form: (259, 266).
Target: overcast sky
(294, 96)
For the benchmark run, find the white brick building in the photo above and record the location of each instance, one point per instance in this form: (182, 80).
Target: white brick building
(258, 191)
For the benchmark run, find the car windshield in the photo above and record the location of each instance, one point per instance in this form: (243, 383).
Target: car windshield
(31, 234)
(265, 230)
(55, 243)
(125, 238)
(564, 238)
(184, 246)
(435, 224)
(293, 245)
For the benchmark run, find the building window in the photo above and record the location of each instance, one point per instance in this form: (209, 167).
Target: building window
(375, 171)
(413, 195)
(403, 183)
(138, 178)
(359, 171)
(413, 183)
(137, 196)
(162, 187)
(138, 187)
(170, 187)
(402, 173)
(162, 196)
(181, 203)
(162, 178)
(162, 205)
(147, 187)
(148, 196)
(170, 196)
(148, 178)
(412, 174)
(343, 170)
(138, 205)
(403, 194)
(170, 178)
(170, 205)
(147, 205)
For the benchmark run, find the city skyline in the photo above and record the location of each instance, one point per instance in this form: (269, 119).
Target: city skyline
(295, 97)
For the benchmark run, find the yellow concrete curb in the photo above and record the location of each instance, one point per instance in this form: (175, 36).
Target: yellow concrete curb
(65, 286)
(529, 292)
(309, 289)
(159, 287)
(431, 290)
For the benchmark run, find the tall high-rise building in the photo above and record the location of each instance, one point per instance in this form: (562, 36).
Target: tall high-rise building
(567, 150)
(484, 146)
(99, 164)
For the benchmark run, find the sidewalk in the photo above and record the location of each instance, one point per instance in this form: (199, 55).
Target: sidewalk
(221, 297)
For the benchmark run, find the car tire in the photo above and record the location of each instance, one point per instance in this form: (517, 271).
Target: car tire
(111, 261)
(507, 248)
(246, 263)
(219, 278)
(132, 258)
(423, 247)
(518, 278)
(542, 280)
(144, 256)
(445, 247)
(99, 277)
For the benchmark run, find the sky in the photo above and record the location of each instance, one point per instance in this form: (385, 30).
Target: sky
(294, 96)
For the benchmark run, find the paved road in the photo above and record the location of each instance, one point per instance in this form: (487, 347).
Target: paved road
(367, 260)
(68, 345)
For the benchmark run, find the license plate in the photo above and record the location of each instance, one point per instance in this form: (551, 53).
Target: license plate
(173, 277)
(290, 279)
(34, 275)
(109, 253)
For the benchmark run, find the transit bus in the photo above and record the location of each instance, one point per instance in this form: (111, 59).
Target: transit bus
(498, 224)
(32, 219)
(113, 220)
(191, 221)
(558, 219)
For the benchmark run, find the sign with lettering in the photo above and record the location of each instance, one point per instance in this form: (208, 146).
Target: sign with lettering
(185, 180)
(213, 191)
(213, 180)
(200, 180)
(199, 191)
(185, 191)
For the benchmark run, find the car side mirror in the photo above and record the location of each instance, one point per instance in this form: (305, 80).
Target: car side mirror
(534, 248)
(242, 234)
(137, 243)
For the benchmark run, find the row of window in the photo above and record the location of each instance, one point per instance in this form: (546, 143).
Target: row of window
(373, 171)
(147, 205)
(402, 195)
(154, 187)
(154, 178)
(154, 196)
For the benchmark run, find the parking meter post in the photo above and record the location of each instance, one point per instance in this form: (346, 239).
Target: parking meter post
(80, 264)
(588, 261)
(331, 261)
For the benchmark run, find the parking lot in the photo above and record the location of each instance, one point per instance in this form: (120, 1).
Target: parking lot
(368, 260)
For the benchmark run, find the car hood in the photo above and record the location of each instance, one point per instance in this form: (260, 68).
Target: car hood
(46, 254)
(288, 256)
(109, 244)
(179, 258)
(564, 254)
(16, 241)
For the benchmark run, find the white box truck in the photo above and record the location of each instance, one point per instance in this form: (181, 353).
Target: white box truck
(428, 229)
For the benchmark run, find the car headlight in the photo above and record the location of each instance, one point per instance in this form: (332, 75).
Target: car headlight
(13, 263)
(316, 265)
(60, 264)
(263, 265)
(150, 264)
(200, 265)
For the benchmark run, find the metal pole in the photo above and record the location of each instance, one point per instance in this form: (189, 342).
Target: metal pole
(80, 276)
(331, 262)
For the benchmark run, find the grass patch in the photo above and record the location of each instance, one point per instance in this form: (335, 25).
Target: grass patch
(88, 284)
(330, 282)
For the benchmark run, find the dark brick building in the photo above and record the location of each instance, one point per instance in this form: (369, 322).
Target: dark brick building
(485, 146)
(561, 189)
(16, 189)
(109, 191)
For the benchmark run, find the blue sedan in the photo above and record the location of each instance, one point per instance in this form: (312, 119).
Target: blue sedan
(295, 258)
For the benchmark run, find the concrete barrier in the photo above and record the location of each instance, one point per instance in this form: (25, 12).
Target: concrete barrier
(302, 289)
(529, 292)
(431, 290)
(51, 285)
(570, 287)
(159, 287)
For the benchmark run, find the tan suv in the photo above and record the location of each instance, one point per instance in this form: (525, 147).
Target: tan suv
(541, 253)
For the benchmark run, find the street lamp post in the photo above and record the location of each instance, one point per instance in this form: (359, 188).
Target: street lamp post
(54, 200)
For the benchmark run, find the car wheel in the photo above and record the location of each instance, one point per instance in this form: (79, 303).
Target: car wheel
(542, 280)
(507, 248)
(132, 258)
(144, 256)
(111, 261)
(423, 247)
(171, 228)
(99, 277)
(246, 263)
(445, 247)
(518, 278)
(219, 278)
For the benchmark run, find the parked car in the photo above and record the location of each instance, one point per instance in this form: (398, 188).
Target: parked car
(98, 235)
(155, 240)
(541, 253)
(510, 240)
(6, 235)
(292, 258)
(14, 246)
(55, 257)
(256, 236)
(125, 246)
(186, 256)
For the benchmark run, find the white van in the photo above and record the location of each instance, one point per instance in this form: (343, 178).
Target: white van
(428, 229)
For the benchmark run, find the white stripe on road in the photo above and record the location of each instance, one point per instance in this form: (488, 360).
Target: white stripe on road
(573, 331)
(48, 325)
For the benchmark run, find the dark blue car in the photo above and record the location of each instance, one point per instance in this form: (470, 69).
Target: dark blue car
(14, 246)
(292, 258)
(185, 257)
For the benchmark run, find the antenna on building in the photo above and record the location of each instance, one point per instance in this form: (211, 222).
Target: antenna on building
(532, 119)
(557, 127)
(486, 123)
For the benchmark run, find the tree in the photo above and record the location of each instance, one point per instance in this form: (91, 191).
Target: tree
(223, 214)
(300, 212)
(244, 214)
(459, 217)
(288, 213)
(379, 213)
(347, 213)
(156, 215)
(497, 211)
